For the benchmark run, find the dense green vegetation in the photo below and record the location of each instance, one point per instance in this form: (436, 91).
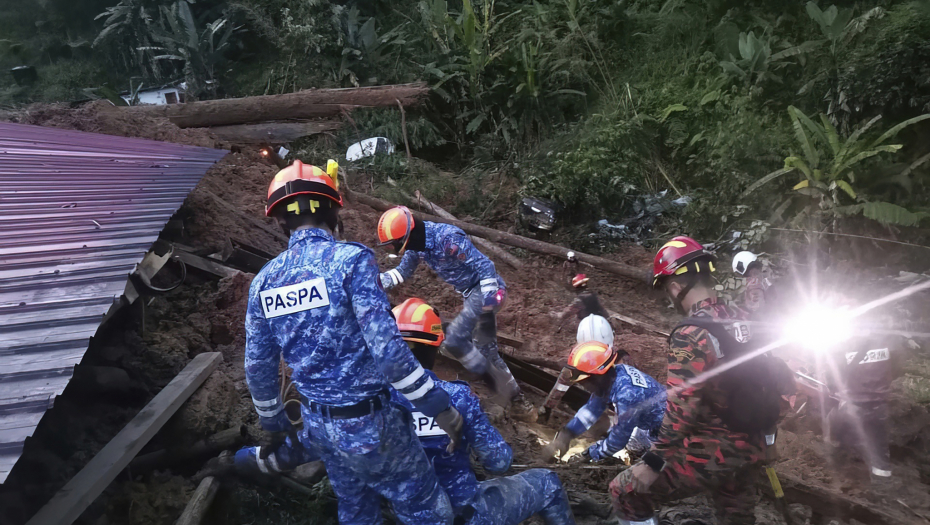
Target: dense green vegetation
(799, 114)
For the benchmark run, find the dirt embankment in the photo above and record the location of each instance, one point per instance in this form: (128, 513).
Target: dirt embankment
(153, 343)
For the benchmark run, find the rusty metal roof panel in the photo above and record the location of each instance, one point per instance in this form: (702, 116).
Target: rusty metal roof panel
(78, 211)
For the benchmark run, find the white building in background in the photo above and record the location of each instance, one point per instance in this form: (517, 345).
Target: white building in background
(160, 96)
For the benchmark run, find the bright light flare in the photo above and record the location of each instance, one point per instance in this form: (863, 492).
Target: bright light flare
(819, 327)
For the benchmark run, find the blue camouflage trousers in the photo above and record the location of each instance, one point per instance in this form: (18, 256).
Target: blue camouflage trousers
(471, 338)
(514, 499)
(375, 456)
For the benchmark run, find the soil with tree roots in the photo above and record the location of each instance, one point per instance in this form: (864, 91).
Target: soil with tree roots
(152, 343)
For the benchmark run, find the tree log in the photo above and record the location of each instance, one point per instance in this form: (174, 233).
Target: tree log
(828, 503)
(211, 446)
(307, 104)
(200, 502)
(634, 322)
(623, 270)
(486, 245)
(272, 132)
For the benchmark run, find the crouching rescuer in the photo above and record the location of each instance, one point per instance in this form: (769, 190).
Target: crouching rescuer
(319, 305)
(472, 336)
(714, 431)
(637, 399)
(501, 501)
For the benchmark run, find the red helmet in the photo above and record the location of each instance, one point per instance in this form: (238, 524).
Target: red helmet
(592, 357)
(580, 280)
(394, 228)
(418, 322)
(673, 257)
(302, 179)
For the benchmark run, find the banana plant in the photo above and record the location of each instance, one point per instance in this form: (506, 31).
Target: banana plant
(829, 163)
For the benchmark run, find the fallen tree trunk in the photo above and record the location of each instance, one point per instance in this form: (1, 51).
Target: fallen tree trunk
(272, 132)
(486, 245)
(639, 324)
(200, 502)
(623, 270)
(308, 104)
(828, 503)
(211, 446)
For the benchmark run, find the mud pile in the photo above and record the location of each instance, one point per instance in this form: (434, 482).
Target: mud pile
(151, 343)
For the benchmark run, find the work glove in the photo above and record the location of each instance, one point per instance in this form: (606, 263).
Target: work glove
(492, 293)
(451, 422)
(270, 442)
(580, 459)
(558, 446)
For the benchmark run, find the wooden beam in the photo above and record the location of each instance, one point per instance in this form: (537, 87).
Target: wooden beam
(307, 104)
(272, 132)
(228, 439)
(829, 503)
(484, 244)
(634, 322)
(623, 270)
(68, 504)
(200, 502)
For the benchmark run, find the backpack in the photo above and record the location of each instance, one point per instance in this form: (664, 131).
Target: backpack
(753, 402)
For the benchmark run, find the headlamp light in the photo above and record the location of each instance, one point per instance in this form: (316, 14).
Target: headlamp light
(819, 327)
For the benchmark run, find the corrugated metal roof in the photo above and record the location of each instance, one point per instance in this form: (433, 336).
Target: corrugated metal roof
(78, 211)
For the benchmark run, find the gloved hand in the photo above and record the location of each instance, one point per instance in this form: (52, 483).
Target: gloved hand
(451, 422)
(579, 459)
(270, 442)
(492, 293)
(559, 445)
(390, 279)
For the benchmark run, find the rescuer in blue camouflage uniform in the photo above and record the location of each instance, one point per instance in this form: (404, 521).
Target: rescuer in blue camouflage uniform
(319, 305)
(472, 335)
(502, 501)
(637, 398)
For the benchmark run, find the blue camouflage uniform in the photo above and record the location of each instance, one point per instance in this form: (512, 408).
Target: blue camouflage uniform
(319, 305)
(451, 254)
(638, 400)
(502, 501)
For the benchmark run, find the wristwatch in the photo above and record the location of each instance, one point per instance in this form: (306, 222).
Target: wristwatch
(654, 461)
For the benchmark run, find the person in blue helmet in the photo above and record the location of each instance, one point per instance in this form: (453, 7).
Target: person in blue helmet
(472, 335)
(637, 398)
(501, 501)
(319, 306)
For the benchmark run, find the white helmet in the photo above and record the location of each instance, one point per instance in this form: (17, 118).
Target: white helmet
(595, 328)
(742, 261)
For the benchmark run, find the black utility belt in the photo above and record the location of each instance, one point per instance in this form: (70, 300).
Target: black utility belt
(362, 408)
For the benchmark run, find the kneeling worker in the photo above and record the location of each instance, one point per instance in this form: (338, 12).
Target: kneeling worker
(637, 398)
(502, 501)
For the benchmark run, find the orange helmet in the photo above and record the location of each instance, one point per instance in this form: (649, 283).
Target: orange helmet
(304, 179)
(592, 357)
(418, 322)
(394, 228)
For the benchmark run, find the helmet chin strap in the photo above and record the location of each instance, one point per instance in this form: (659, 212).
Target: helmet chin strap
(691, 281)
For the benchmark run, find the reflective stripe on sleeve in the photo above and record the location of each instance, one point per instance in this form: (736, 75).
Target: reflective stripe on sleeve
(487, 282)
(411, 378)
(268, 408)
(395, 275)
(586, 417)
(420, 392)
(472, 359)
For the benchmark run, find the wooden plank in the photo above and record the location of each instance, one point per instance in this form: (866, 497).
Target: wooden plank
(634, 322)
(828, 503)
(277, 234)
(200, 502)
(68, 504)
